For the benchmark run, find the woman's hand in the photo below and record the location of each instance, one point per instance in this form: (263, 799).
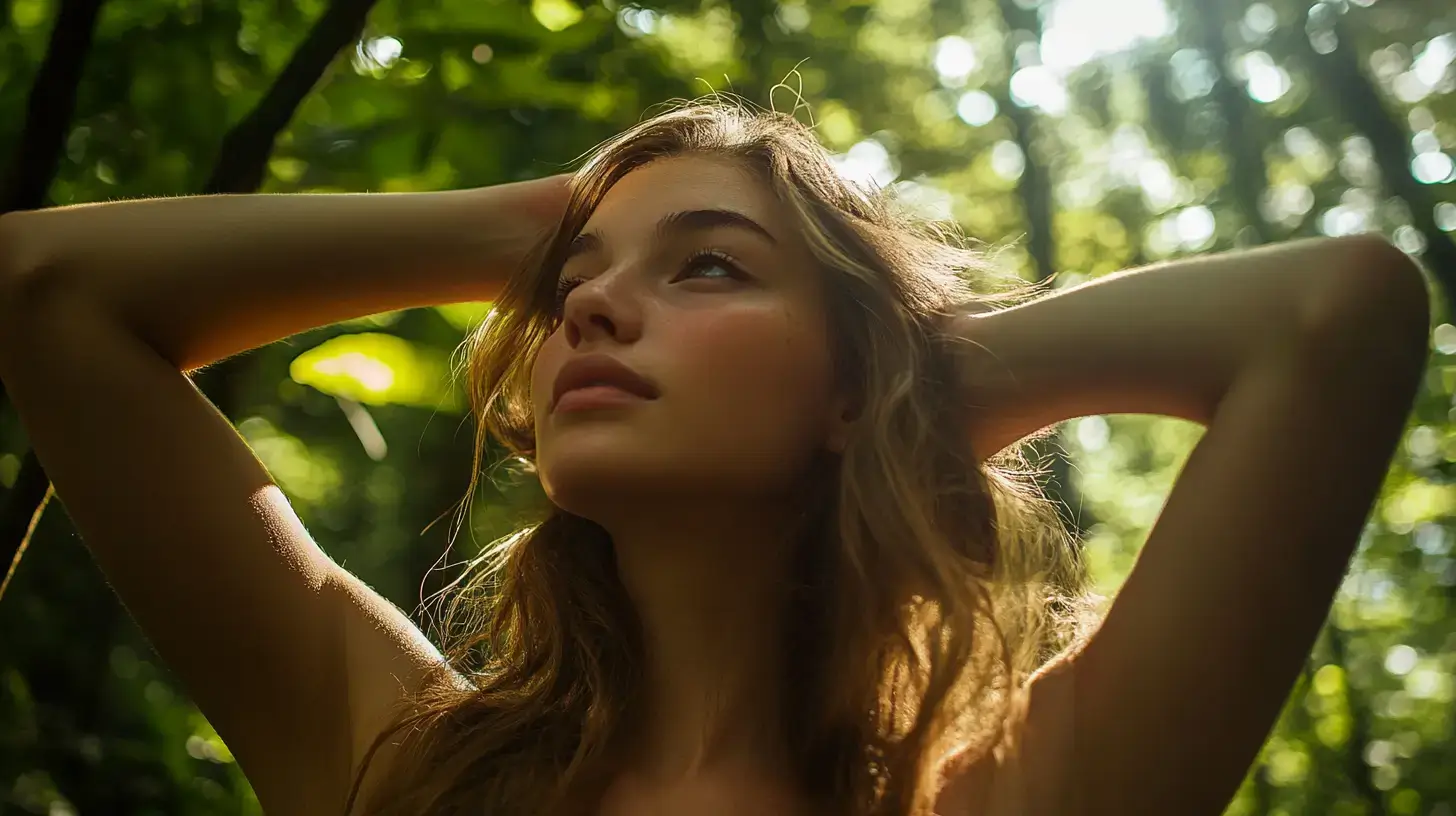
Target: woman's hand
(506, 222)
(534, 208)
(543, 200)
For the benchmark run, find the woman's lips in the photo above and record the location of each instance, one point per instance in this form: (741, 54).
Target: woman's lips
(594, 397)
(593, 370)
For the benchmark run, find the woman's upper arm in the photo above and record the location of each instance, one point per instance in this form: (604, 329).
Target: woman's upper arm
(271, 638)
(1175, 693)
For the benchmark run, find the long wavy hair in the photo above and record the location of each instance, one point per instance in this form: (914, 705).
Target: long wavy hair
(930, 585)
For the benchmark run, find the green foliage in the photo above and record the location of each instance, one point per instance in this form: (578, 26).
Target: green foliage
(379, 369)
(362, 427)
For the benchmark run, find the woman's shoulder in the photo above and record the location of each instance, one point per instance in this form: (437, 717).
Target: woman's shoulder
(1028, 773)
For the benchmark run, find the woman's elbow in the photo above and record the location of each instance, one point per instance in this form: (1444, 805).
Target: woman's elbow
(27, 275)
(1372, 283)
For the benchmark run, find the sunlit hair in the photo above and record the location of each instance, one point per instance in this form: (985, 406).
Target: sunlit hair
(933, 584)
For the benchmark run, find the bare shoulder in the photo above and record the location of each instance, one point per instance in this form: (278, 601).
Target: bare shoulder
(1028, 775)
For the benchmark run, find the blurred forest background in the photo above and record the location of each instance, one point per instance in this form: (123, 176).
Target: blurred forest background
(1096, 134)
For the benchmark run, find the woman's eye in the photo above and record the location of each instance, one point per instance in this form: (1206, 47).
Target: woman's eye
(563, 288)
(710, 265)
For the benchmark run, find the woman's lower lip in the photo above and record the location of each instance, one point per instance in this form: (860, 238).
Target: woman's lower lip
(594, 396)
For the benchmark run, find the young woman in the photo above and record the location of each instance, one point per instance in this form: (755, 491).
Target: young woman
(787, 567)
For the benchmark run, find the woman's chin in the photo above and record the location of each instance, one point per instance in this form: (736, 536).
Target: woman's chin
(580, 481)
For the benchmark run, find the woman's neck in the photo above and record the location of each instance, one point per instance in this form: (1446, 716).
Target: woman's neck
(710, 589)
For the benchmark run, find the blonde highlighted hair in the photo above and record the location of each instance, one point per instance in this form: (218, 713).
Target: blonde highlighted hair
(932, 584)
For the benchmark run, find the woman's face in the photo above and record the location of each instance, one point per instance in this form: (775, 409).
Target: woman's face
(691, 274)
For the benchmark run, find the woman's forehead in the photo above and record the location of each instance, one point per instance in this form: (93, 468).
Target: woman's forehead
(680, 184)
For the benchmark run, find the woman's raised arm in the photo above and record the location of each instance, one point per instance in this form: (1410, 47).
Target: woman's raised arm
(1166, 339)
(1303, 360)
(204, 277)
(295, 661)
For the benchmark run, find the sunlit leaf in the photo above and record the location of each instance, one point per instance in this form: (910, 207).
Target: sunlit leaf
(556, 15)
(285, 169)
(377, 369)
(30, 13)
(464, 316)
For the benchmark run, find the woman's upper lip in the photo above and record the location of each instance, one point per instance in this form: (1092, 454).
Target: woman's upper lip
(600, 369)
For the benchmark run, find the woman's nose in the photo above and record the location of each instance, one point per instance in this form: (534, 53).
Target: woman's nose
(601, 309)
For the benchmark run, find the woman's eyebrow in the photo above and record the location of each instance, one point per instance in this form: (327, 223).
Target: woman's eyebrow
(682, 221)
(695, 220)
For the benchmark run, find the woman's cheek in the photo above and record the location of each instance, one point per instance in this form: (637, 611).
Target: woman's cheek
(543, 371)
(761, 352)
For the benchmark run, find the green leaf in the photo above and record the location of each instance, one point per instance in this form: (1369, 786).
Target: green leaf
(556, 15)
(464, 316)
(377, 369)
(29, 13)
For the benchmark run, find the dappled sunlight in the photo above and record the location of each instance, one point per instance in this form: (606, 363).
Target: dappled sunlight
(305, 475)
(976, 108)
(1412, 76)
(867, 163)
(1008, 160)
(1266, 81)
(1078, 31)
(955, 59)
(377, 369)
(556, 15)
(925, 199)
(464, 316)
(700, 44)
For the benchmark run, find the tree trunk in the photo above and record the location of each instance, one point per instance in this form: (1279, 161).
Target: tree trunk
(1350, 91)
(49, 106)
(1242, 126)
(1035, 192)
(1356, 770)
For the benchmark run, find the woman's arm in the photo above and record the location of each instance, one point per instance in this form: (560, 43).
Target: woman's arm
(1303, 360)
(296, 662)
(204, 277)
(1165, 339)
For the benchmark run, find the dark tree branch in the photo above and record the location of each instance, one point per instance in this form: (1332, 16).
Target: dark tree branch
(48, 111)
(243, 158)
(240, 166)
(759, 52)
(50, 104)
(1357, 98)
(1249, 175)
(1035, 187)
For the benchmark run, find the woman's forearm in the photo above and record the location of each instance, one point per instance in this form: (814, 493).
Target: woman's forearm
(1167, 339)
(204, 277)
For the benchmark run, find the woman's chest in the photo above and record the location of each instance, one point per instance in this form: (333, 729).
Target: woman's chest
(702, 798)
